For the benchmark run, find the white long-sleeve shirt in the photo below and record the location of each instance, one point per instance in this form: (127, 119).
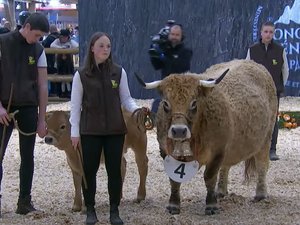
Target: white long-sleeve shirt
(284, 69)
(76, 100)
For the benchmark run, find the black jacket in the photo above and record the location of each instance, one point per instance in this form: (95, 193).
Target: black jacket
(272, 59)
(50, 57)
(18, 66)
(176, 60)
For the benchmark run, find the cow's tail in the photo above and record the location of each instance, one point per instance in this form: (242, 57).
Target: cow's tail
(250, 169)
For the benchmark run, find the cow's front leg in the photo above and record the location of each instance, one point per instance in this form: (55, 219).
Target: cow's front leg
(174, 201)
(77, 179)
(210, 178)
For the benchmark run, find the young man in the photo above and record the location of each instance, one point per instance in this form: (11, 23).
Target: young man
(23, 87)
(273, 57)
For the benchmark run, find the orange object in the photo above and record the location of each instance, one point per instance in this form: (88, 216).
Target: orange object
(286, 117)
(294, 125)
(287, 125)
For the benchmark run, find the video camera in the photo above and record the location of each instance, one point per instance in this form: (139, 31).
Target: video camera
(160, 41)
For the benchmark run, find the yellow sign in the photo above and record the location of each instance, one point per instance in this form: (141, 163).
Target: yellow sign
(114, 84)
(31, 60)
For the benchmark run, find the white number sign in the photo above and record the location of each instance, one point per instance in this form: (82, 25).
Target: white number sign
(180, 171)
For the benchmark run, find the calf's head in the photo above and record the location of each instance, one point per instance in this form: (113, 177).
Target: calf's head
(58, 126)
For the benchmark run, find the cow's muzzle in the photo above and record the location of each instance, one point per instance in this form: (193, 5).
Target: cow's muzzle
(179, 132)
(49, 140)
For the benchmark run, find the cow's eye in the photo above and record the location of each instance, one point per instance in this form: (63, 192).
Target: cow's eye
(193, 105)
(63, 126)
(166, 106)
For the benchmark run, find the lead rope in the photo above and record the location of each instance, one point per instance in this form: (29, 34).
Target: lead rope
(12, 116)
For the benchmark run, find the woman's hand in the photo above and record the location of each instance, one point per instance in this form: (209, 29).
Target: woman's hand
(75, 142)
(4, 117)
(42, 128)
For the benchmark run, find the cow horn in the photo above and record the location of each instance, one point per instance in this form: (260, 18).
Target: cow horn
(213, 82)
(151, 85)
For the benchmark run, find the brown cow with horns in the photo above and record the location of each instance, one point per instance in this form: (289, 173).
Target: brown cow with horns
(218, 121)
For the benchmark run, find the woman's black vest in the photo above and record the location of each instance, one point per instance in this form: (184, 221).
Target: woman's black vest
(101, 106)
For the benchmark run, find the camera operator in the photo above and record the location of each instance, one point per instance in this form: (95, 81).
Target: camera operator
(173, 58)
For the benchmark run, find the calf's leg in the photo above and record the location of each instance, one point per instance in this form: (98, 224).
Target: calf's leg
(77, 179)
(141, 160)
(123, 172)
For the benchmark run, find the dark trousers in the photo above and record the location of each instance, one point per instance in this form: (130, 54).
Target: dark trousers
(275, 131)
(92, 146)
(27, 122)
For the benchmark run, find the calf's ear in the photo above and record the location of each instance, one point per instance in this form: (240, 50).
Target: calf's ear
(48, 115)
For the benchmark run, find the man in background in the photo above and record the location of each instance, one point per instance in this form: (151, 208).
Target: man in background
(51, 69)
(174, 58)
(273, 57)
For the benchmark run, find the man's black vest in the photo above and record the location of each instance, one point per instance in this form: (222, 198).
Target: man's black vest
(272, 59)
(101, 106)
(18, 66)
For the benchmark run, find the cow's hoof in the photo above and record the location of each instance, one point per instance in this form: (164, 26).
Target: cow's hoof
(76, 208)
(211, 210)
(259, 198)
(173, 209)
(138, 200)
(221, 195)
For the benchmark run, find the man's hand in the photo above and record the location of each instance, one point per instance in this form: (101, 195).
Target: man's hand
(42, 128)
(4, 117)
(75, 142)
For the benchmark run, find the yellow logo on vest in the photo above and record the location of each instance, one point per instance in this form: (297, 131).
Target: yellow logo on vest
(274, 61)
(31, 60)
(114, 84)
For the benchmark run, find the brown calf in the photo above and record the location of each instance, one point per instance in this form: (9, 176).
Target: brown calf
(136, 139)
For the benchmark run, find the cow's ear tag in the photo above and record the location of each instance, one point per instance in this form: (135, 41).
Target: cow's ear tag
(180, 171)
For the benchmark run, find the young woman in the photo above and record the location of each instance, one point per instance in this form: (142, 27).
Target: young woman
(99, 89)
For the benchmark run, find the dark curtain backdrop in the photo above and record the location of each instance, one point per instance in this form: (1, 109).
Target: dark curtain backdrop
(216, 30)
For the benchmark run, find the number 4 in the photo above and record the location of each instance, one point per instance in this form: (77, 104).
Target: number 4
(180, 170)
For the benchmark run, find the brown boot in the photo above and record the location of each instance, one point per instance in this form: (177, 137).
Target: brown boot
(25, 205)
